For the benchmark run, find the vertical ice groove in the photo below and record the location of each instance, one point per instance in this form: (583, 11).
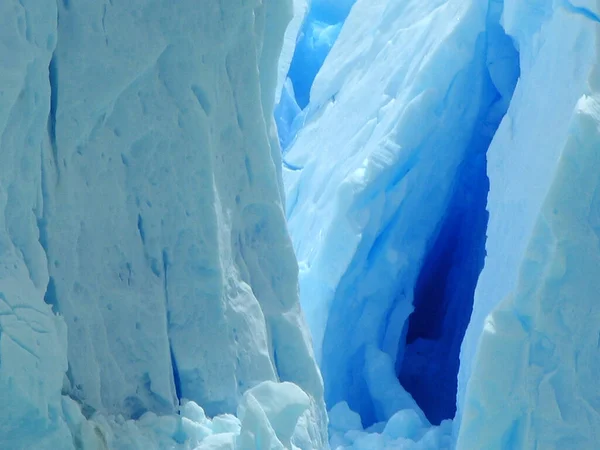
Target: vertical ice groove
(53, 81)
(581, 10)
(174, 368)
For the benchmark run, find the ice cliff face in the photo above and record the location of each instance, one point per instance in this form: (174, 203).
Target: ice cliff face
(143, 248)
(440, 176)
(441, 182)
(527, 367)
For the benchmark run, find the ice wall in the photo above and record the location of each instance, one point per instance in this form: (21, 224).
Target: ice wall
(526, 368)
(144, 252)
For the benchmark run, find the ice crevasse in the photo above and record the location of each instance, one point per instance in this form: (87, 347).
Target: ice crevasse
(441, 192)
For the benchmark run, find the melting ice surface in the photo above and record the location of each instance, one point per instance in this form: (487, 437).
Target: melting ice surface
(437, 212)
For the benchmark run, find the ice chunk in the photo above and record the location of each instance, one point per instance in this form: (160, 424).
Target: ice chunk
(270, 413)
(342, 418)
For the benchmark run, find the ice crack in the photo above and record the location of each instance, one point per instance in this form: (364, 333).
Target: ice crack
(581, 10)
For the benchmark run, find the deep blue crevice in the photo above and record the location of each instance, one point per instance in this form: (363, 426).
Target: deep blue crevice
(428, 361)
(50, 296)
(443, 297)
(445, 288)
(53, 80)
(176, 377)
(317, 35)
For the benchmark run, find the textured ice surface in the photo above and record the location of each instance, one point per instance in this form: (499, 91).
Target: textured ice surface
(387, 187)
(143, 250)
(144, 265)
(386, 198)
(531, 382)
(314, 29)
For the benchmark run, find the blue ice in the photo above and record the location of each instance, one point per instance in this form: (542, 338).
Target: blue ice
(415, 186)
(320, 29)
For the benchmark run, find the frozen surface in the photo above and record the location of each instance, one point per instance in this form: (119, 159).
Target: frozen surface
(144, 254)
(386, 191)
(388, 199)
(530, 381)
(148, 287)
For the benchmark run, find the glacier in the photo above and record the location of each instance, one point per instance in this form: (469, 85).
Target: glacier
(266, 224)
(145, 259)
(439, 185)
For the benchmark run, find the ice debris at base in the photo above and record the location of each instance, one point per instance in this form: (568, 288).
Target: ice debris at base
(266, 419)
(405, 430)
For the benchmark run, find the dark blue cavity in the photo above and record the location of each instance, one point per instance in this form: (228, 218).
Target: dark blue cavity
(443, 297)
(50, 296)
(53, 80)
(176, 376)
(445, 288)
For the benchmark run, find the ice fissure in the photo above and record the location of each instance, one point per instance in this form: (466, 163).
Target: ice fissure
(389, 288)
(445, 287)
(582, 10)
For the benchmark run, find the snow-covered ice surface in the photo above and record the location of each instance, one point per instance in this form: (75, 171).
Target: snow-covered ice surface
(143, 249)
(387, 201)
